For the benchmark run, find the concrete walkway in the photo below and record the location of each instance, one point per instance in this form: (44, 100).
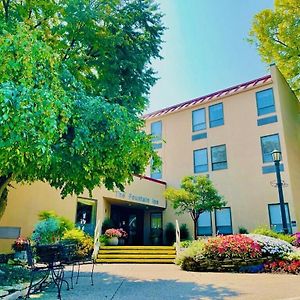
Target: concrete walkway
(168, 282)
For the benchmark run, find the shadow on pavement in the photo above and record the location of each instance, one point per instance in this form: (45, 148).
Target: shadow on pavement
(113, 287)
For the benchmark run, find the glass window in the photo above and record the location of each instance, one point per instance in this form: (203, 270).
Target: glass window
(204, 224)
(268, 144)
(156, 173)
(218, 157)
(156, 129)
(223, 221)
(86, 215)
(276, 219)
(198, 119)
(216, 116)
(200, 161)
(265, 102)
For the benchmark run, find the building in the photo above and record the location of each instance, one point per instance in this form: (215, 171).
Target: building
(227, 135)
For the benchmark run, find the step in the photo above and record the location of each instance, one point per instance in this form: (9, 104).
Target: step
(134, 256)
(137, 247)
(139, 260)
(137, 251)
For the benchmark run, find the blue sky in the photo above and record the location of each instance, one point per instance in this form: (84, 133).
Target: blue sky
(205, 49)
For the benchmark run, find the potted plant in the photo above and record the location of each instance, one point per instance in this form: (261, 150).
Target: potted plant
(113, 235)
(20, 246)
(123, 236)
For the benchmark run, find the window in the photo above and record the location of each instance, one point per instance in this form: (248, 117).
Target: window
(86, 214)
(223, 221)
(204, 226)
(265, 102)
(198, 119)
(218, 158)
(156, 129)
(200, 161)
(155, 173)
(275, 217)
(216, 117)
(268, 144)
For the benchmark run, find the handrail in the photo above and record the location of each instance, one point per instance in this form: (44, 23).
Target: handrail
(96, 239)
(177, 238)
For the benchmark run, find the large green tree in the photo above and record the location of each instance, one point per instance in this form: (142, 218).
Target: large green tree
(196, 195)
(74, 79)
(276, 33)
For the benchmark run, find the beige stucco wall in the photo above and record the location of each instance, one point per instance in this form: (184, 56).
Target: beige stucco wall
(245, 188)
(26, 201)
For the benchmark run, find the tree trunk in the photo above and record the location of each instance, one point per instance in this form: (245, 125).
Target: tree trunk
(4, 181)
(195, 229)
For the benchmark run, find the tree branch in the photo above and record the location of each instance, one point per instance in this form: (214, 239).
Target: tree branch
(6, 7)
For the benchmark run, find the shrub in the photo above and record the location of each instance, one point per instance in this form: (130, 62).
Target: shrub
(184, 232)
(170, 233)
(283, 266)
(20, 244)
(264, 230)
(296, 242)
(83, 241)
(46, 232)
(195, 249)
(185, 244)
(232, 246)
(63, 223)
(243, 230)
(292, 256)
(271, 246)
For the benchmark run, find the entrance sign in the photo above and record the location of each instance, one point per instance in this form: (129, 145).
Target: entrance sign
(140, 199)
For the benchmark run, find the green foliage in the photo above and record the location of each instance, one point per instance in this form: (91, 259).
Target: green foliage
(276, 34)
(196, 195)
(170, 233)
(74, 80)
(103, 239)
(185, 244)
(184, 232)
(107, 224)
(83, 241)
(63, 223)
(46, 232)
(264, 230)
(293, 256)
(195, 249)
(243, 230)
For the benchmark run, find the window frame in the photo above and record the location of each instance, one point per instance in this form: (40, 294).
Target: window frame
(211, 225)
(194, 160)
(198, 124)
(211, 156)
(289, 221)
(262, 150)
(156, 138)
(210, 115)
(258, 109)
(230, 214)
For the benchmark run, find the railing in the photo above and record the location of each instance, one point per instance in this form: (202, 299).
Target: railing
(177, 238)
(96, 239)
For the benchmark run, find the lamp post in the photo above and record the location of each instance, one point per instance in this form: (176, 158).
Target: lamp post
(276, 156)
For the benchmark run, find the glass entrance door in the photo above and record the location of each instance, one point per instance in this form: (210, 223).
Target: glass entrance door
(131, 220)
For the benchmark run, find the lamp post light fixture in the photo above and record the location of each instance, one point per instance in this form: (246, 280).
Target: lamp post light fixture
(276, 156)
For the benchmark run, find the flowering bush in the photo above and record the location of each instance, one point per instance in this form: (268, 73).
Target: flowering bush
(272, 246)
(292, 256)
(296, 242)
(20, 244)
(232, 246)
(113, 233)
(283, 266)
(123, 233)
(264, 230)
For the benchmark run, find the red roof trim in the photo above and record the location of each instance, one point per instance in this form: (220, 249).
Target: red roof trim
(151, 179)
(208, 97)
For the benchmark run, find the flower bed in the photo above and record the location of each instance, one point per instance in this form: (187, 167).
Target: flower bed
(283, 266)
(271, 246)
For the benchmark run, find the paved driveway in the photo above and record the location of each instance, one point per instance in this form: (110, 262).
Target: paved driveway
(168, 282)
